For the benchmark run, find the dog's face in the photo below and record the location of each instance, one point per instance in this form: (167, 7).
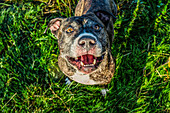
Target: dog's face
(84, 49)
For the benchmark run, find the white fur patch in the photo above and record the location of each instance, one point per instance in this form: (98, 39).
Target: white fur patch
(83, 79)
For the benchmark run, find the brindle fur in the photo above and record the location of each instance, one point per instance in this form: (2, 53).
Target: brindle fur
(107, 72)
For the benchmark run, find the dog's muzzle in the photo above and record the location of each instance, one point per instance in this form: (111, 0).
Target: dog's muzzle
(87, 56)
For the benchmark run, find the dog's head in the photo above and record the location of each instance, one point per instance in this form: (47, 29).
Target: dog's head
(84, 44)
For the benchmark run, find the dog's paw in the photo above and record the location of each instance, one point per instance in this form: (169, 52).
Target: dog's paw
(68, 82)
(104, 92)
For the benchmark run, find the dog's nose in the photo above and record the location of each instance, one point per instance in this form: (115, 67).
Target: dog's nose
(87, 42)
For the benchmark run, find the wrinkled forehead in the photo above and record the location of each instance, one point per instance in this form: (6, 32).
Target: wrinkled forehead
(81, 21)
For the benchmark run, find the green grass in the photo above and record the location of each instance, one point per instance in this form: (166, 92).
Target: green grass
(141, 48)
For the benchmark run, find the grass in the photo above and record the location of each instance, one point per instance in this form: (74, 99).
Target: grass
(141, 48)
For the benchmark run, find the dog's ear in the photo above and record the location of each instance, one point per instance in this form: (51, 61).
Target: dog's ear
(104, 16)
(54, 25)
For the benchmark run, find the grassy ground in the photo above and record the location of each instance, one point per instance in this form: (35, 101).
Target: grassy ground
(141, 48)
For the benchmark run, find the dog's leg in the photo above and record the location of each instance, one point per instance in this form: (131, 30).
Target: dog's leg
(104, 91)
(68, 81)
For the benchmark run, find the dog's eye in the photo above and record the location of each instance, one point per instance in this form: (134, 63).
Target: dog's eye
(97, 27)
(70, 30)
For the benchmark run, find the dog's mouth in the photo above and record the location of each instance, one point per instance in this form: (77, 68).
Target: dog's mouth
(86, 63)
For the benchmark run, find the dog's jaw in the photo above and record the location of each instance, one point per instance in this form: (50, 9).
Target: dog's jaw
(102, 75)
(86, 63)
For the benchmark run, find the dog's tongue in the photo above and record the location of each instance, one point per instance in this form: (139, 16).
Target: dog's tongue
(87, 59)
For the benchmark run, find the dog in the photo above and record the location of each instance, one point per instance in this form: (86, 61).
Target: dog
(85, 42)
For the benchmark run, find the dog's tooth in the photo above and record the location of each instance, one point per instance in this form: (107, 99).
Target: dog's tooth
(91, 64)
(82, 64)
(94, 61)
